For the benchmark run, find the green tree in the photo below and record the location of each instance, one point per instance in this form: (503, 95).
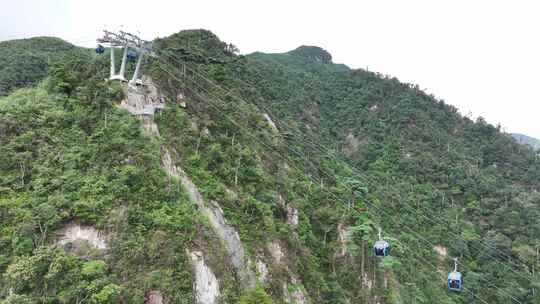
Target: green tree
(256, 295)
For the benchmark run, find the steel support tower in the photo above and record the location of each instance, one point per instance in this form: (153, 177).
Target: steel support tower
(126, 41)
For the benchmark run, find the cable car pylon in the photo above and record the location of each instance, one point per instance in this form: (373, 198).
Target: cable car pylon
(132, 46)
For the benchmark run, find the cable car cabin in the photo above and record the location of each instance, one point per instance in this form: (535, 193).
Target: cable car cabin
(455, 281)
(382, 248)
(100, 49)
(131, 55)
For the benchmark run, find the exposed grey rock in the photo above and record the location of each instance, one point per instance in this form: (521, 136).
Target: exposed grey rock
(262, 270)
(155, 297)
(342, 230)
(292, 213)
(143, 102)
(275, 251)
(292, 216)
(271, 123)
(76, 234)
(352, 144)
(441, 251)
(223, 230)
(206, 283)
(293, 293)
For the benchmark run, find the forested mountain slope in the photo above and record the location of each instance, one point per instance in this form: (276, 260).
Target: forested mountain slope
(26, 61)
(263, 180)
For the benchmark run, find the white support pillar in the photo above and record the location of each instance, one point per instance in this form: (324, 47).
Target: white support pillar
(137, 69)
(123, 66)
(113, 69)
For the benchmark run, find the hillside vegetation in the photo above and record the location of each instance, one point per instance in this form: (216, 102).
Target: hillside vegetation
(305, 158)
(25, 62)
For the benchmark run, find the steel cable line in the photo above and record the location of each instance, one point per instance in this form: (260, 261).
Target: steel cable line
(326, 174)
(256, 138)
(232, 120)
(481, 247)
(238, 98)
(446, 224)
(509, 295)
(437, 270)
(426, 262)
(387, 215)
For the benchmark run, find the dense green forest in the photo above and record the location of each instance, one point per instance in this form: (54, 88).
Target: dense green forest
(25, 62)
(298, 152)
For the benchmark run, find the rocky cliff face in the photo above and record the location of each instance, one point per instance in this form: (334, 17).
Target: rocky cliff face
(206, 284)
(211, 210)
(75, 236)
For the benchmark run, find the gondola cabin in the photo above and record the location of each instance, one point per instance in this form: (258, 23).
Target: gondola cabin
(381, 248)
(100, 49)
(131, 55)
(455, 281)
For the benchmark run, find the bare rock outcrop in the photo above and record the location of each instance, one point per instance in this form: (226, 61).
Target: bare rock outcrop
(223, 230)
(352, 144)
(271, 123)
(342, 230)
(262, 270)
(144, 103)
(81, 238)
(441, 251)
(294, 293)
(206, 283)
(155, 297)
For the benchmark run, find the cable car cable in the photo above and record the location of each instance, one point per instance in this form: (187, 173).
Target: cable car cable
(423, 208)
(233, 121)
(240, 127)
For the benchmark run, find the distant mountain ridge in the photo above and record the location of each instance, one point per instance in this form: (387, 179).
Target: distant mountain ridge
(25, 62)
(527, 140)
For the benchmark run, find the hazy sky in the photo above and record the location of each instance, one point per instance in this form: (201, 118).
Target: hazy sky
(481, 56)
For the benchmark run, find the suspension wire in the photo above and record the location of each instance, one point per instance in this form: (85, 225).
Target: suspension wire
(431, 244)
(336, 157)
(445, 224)
(427, 262)
(299, 169)
(80, 41)
(353, 167)
(437, 270)
(256, 138)
(341, 161)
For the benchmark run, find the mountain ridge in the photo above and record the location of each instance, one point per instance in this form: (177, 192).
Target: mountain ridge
(527, 140)
(21, 65)
(348, 151)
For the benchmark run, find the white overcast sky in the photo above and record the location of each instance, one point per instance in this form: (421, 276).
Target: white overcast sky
(481, 56)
